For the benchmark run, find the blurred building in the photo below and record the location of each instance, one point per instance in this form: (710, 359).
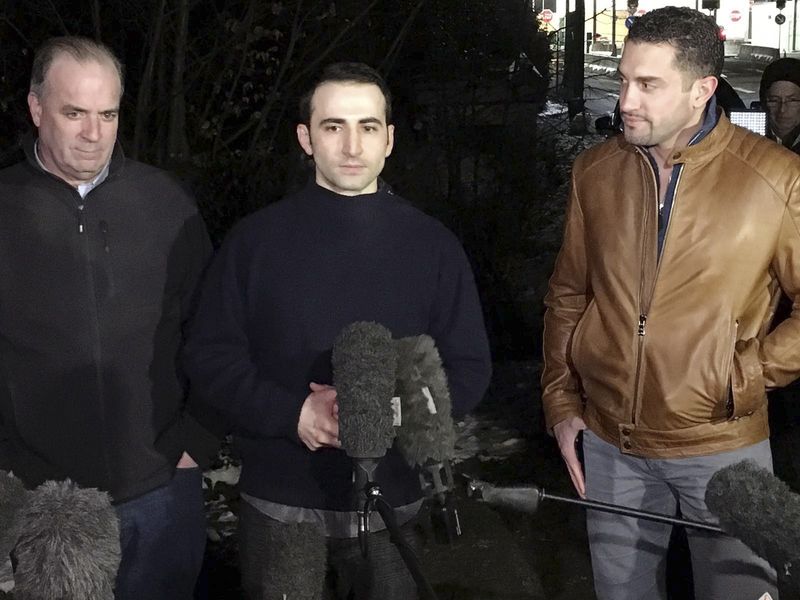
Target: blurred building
(757, 23)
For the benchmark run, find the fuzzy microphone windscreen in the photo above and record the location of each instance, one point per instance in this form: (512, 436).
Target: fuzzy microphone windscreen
(69, 546)
(426, 432)
(296, 554)
(12, 497)
(759, 509)
(364, 363)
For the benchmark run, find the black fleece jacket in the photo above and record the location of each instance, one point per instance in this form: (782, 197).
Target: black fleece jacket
(284, 284)
(94, 293)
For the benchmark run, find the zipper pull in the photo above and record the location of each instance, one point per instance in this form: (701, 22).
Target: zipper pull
(80, 218)
(642, 323)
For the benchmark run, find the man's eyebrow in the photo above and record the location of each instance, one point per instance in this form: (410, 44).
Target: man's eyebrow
(73, 108)
(645, 79)
(339, 121)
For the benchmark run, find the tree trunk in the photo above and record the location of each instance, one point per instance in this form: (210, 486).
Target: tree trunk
(146, 84)
(96, 20)
(177, 142)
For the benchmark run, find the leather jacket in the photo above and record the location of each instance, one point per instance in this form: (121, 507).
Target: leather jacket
(668, 356)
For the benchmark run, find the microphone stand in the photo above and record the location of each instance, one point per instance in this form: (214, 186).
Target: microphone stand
(376, 501)
(477, 487)
(436, 481)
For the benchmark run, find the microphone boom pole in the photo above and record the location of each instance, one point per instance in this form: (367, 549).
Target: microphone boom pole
(527, 499)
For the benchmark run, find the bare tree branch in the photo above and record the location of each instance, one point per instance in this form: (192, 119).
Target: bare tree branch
(146, 83)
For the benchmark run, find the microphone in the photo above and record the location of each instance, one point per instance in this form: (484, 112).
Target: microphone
(755, 506)
(426, 436)
(528, 498)
(12, 497)
(364, 362)
(297, 555)
(68, 547)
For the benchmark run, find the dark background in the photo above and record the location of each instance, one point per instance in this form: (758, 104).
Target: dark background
(211, 88)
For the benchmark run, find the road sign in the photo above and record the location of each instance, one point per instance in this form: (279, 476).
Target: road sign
(629, 21)
(546, 15)
(736, 15)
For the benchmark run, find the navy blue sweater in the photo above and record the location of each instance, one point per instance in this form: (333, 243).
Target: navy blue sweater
(284, 284)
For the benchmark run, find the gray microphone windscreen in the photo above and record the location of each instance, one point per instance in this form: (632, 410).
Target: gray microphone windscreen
(523, 499)
(364, 363)
(296, 554)
(759, 509)
(12, 497)
(426, 432)
(69, 545)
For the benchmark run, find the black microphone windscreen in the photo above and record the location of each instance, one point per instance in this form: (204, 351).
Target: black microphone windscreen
(296, 554)
(759, 509)
(426, 431)
(364, 363)
(12, 497)
(69, 546)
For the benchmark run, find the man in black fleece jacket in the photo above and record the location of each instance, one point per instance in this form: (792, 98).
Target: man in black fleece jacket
(99, 260)
(284, 284)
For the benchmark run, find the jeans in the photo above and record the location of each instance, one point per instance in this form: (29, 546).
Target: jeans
(163, 537)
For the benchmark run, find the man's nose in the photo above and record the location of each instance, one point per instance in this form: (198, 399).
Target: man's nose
(627, 99)
(352, 143)
(91, 129)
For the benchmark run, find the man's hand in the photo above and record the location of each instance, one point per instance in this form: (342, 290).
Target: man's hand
(566, 433)
(186, 462)
(318, 426)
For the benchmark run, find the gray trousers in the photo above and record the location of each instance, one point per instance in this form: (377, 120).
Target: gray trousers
(629, 555)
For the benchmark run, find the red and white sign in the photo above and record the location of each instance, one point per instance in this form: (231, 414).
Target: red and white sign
(546, 15)
(736, 15)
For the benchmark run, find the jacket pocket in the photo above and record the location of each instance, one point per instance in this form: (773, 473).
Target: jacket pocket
(747, 390)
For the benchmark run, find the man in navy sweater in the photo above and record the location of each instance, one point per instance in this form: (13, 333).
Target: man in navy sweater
(284, 284)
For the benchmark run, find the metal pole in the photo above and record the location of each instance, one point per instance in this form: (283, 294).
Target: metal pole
(613, 27)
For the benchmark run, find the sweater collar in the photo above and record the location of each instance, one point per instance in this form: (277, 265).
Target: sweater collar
(317, 193)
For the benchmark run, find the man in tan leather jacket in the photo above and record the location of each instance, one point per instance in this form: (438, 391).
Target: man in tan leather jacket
(677, 237)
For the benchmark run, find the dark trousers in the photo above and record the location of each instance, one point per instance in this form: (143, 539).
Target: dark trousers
(347, 575)
(163, 537)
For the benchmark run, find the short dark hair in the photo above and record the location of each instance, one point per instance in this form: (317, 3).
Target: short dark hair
(80, 48)
(345, 72)
(699, 50)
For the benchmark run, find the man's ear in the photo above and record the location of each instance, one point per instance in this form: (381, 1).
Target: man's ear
(704, 89)
(304, 138)
(389, 140)
(35, 107)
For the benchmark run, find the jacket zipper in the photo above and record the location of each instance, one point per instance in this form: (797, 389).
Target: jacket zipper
(95, 316)
(728, 399)
(644, 303)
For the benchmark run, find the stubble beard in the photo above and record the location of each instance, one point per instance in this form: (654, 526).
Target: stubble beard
(643, 136)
